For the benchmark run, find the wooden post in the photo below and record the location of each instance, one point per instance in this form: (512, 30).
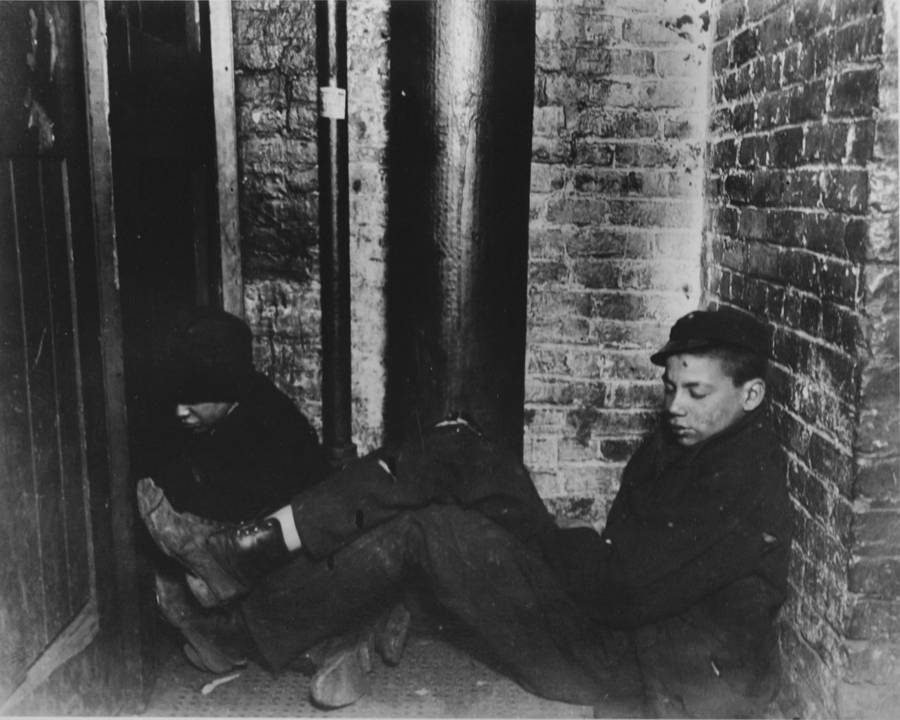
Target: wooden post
(118, 605)
(222, 55)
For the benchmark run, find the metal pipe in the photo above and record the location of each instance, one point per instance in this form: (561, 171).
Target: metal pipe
(334, 229)
(461, 153)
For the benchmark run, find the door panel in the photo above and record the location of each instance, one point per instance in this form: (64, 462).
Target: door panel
(44, 488)
(48, 598)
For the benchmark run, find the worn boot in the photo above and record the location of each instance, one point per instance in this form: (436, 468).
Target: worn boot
(344, 676)
(247, 552)
(214, 640)
(183, 536)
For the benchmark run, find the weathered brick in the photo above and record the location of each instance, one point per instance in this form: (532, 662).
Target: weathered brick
(773, 109)
(754, 151)
(848, 10)
(577, 210)
(731, 15)
(841, 327)
(568, 328)
(878, 479)
(656, 155)
(859, 41)
(605, 122)
(799, 63)
(721, 56)
(636, 395)
(875, 619)
(723, 154)
(845, 190)
(556, 150)
(807, 102)
(785, 147)
(807, 16)
(593, 152)
(826, 143)
(823, 52)
(612, 61)
(877, 532)
(862, 142)
(776, 31)
(541, 273)
(876, 578)
(870, 663)
(744, 116)
(744, 46)
(549, 120)
(546, 178)
(854, 93)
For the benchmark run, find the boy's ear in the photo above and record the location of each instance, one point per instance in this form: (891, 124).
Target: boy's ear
(753, 392)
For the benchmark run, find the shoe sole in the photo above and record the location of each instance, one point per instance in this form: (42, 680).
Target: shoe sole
(392, 638)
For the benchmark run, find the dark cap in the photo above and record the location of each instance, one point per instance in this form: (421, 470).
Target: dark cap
(211, 355)
(707, 329)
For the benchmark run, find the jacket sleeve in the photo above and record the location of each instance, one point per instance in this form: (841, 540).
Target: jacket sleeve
(255, 461)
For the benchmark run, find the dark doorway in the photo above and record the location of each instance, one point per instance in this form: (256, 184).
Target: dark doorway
(163, 148)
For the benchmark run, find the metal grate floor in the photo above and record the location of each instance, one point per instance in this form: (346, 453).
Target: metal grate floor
(434, 679)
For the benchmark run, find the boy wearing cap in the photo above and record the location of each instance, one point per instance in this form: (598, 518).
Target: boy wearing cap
(671, 606)
(243, 449)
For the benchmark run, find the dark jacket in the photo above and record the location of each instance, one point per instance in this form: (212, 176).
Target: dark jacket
(693, 560)
(252, 461)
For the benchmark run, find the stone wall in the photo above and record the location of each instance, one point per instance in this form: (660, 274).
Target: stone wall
(275, 85)
(617, 179)
(802, 232)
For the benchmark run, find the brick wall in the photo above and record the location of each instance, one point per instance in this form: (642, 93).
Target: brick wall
(616, 177)
(802, 231)
(275, 86)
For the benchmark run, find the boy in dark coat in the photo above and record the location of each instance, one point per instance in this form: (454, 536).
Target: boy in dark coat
(671, 607)
(243, 450)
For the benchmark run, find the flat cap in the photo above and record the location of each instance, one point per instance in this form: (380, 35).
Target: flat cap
(706, 329)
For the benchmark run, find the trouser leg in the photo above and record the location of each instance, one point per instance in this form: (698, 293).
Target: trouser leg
(475, 569)
(450, 465)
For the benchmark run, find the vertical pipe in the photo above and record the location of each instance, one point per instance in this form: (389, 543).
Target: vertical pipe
(461, 153)
(334, 228)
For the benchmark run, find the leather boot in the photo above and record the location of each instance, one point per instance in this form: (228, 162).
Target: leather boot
(248, 551)
(183, 536)
(344, 677)
(215, 642)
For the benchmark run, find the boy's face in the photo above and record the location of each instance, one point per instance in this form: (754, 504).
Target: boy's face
(200, 417)
(701, 400)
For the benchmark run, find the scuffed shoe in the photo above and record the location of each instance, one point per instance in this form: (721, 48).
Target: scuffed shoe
(212, 641)
(391, 633)
(248, 551)
(344, 677)
(183, 536)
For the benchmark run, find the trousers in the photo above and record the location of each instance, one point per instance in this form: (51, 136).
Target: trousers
(458, 516)
(477, 571)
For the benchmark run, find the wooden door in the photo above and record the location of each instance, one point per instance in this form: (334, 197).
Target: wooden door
(64, 532)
